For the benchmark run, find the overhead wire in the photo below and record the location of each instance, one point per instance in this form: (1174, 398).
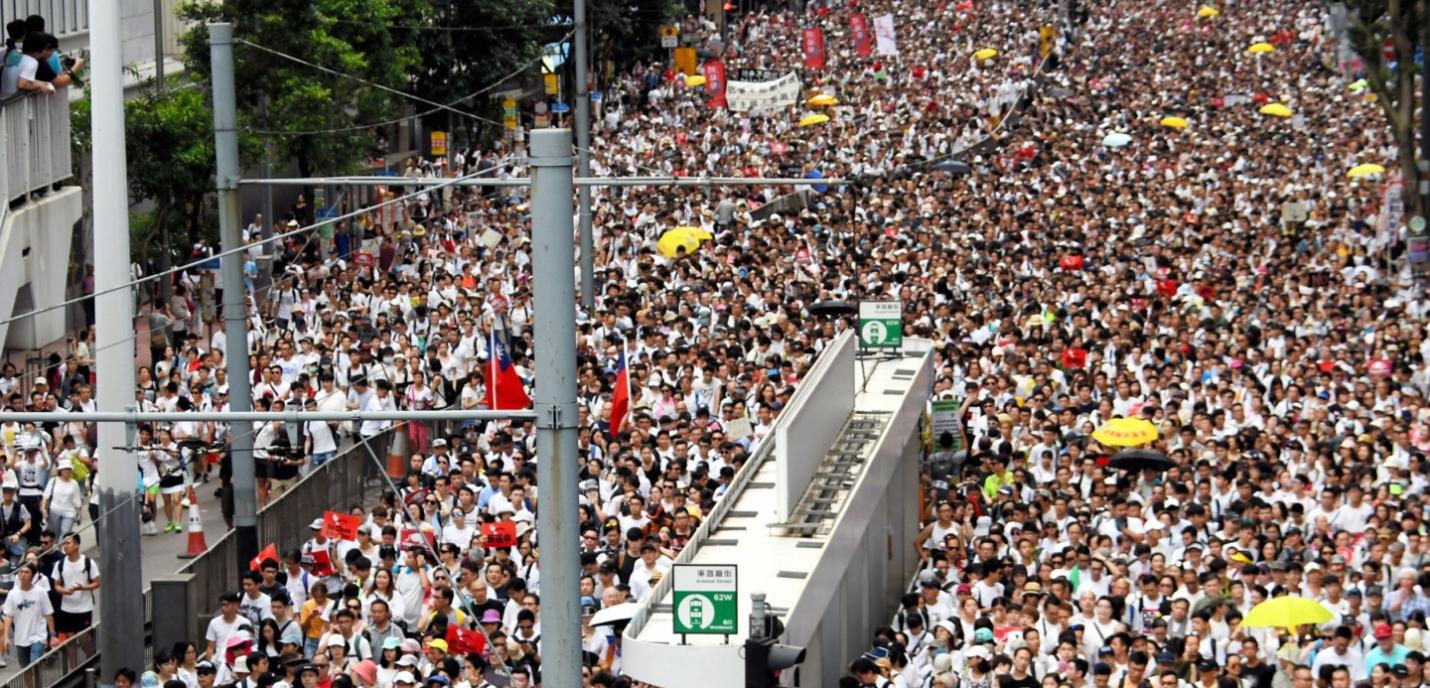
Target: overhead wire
(358, 127)
(397, 181)
(380, 87)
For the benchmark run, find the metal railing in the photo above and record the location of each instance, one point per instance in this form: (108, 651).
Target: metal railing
(62, 17)
(352, 476)
(34, 141)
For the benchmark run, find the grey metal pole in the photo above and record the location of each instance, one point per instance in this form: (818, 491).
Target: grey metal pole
(159, 45)
(583, 160)
(122, 603)
(235, 312)
(555, 402)
(270, 219)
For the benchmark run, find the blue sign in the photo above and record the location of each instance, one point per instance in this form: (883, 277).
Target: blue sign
(210, 264)
(560, 108)
(596, 96)
(327, 213)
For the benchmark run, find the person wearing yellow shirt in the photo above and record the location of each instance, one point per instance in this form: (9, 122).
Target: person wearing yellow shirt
(314, 615)
(999, 478)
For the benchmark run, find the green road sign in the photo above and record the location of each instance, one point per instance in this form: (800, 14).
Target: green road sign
(881, 324)
(705, 598)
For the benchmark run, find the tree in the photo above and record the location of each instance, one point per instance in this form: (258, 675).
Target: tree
(352, 37)
(627, 31)
(1388, 35)
(475, 45)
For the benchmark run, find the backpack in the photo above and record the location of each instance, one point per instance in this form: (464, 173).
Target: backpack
(59, 578)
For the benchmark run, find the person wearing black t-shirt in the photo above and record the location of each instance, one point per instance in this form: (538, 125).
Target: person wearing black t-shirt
(1022, 674)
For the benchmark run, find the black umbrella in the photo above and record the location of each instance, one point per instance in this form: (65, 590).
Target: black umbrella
(833, 308)
(1141, 460)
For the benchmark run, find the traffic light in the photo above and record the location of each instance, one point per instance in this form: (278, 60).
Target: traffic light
(765, 658)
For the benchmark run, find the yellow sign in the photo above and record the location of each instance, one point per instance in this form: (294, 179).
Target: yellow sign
(509, 121)
(508, 107)
(553, 85)
(685, 61)
(1045, 40)
(439, 143)
(669, 36)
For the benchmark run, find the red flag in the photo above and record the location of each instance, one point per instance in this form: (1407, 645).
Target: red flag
(859, 29)
(814, 47)
(504, 390)
(1071, 263)
(464, 641)
(620, 397)
(1074, 358)
(1166, 287)
(340, 526)
(500, 533)
(269, 552)
(715, 82)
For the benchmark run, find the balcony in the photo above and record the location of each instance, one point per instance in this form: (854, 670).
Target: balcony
(37, 218)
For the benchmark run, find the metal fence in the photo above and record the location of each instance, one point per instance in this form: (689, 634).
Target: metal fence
(351, 477)
(35, 142)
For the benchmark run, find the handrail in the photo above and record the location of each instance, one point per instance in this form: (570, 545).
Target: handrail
(35, 135)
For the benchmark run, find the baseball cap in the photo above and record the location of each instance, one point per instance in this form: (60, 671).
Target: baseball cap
(392, 643)
(963, 589)
(1382, 631)
(404, 677)
(983, 635)
(1206, 665)
(407, 660)
(438, 643)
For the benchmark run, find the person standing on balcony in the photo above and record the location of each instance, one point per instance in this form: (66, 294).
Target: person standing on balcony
(22, 76)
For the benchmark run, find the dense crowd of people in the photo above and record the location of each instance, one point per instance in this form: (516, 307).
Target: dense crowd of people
(1225, 281)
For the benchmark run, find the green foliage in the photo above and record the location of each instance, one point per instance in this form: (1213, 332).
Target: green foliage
(349, 36)
(627, 31)
(458, 63)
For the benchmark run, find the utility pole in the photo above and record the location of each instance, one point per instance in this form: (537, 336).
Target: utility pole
(554, 292)
(583, 160)
(235, 312)
(121, 608)
(158, 49)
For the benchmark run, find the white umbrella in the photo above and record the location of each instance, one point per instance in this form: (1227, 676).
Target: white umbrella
(617, 614)
(1116, 139)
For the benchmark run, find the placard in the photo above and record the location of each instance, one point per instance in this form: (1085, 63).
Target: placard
(500, 534)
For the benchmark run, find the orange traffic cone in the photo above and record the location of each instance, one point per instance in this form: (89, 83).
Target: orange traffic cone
(397, 455)
(197, 545)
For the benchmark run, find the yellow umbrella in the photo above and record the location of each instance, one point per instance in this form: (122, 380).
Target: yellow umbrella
(1365, 170)
(672, 241)
(811, 120)
(1173, 122)
(1126, 432)
(696, 231)
(694, 81)
(1275, 110)
(985, 54)
(823, 100)
(1259, 48)
(1208, 12)
(1287, 612)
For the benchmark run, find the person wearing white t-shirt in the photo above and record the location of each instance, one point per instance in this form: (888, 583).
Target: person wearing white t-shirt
(75, 578)
(29, 619)
(224, 625)
(21, 75)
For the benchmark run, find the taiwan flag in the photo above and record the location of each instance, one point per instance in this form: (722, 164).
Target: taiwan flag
(504, 390)
(620, 396)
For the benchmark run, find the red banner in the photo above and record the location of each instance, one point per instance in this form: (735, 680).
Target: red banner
(1074, 358)
(1166, 287)
(321, 564)
(813, 47)
(500, 534)
(412, 538)
(859, 29)
(715, 82)
(339, 526)
(1071, 262)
